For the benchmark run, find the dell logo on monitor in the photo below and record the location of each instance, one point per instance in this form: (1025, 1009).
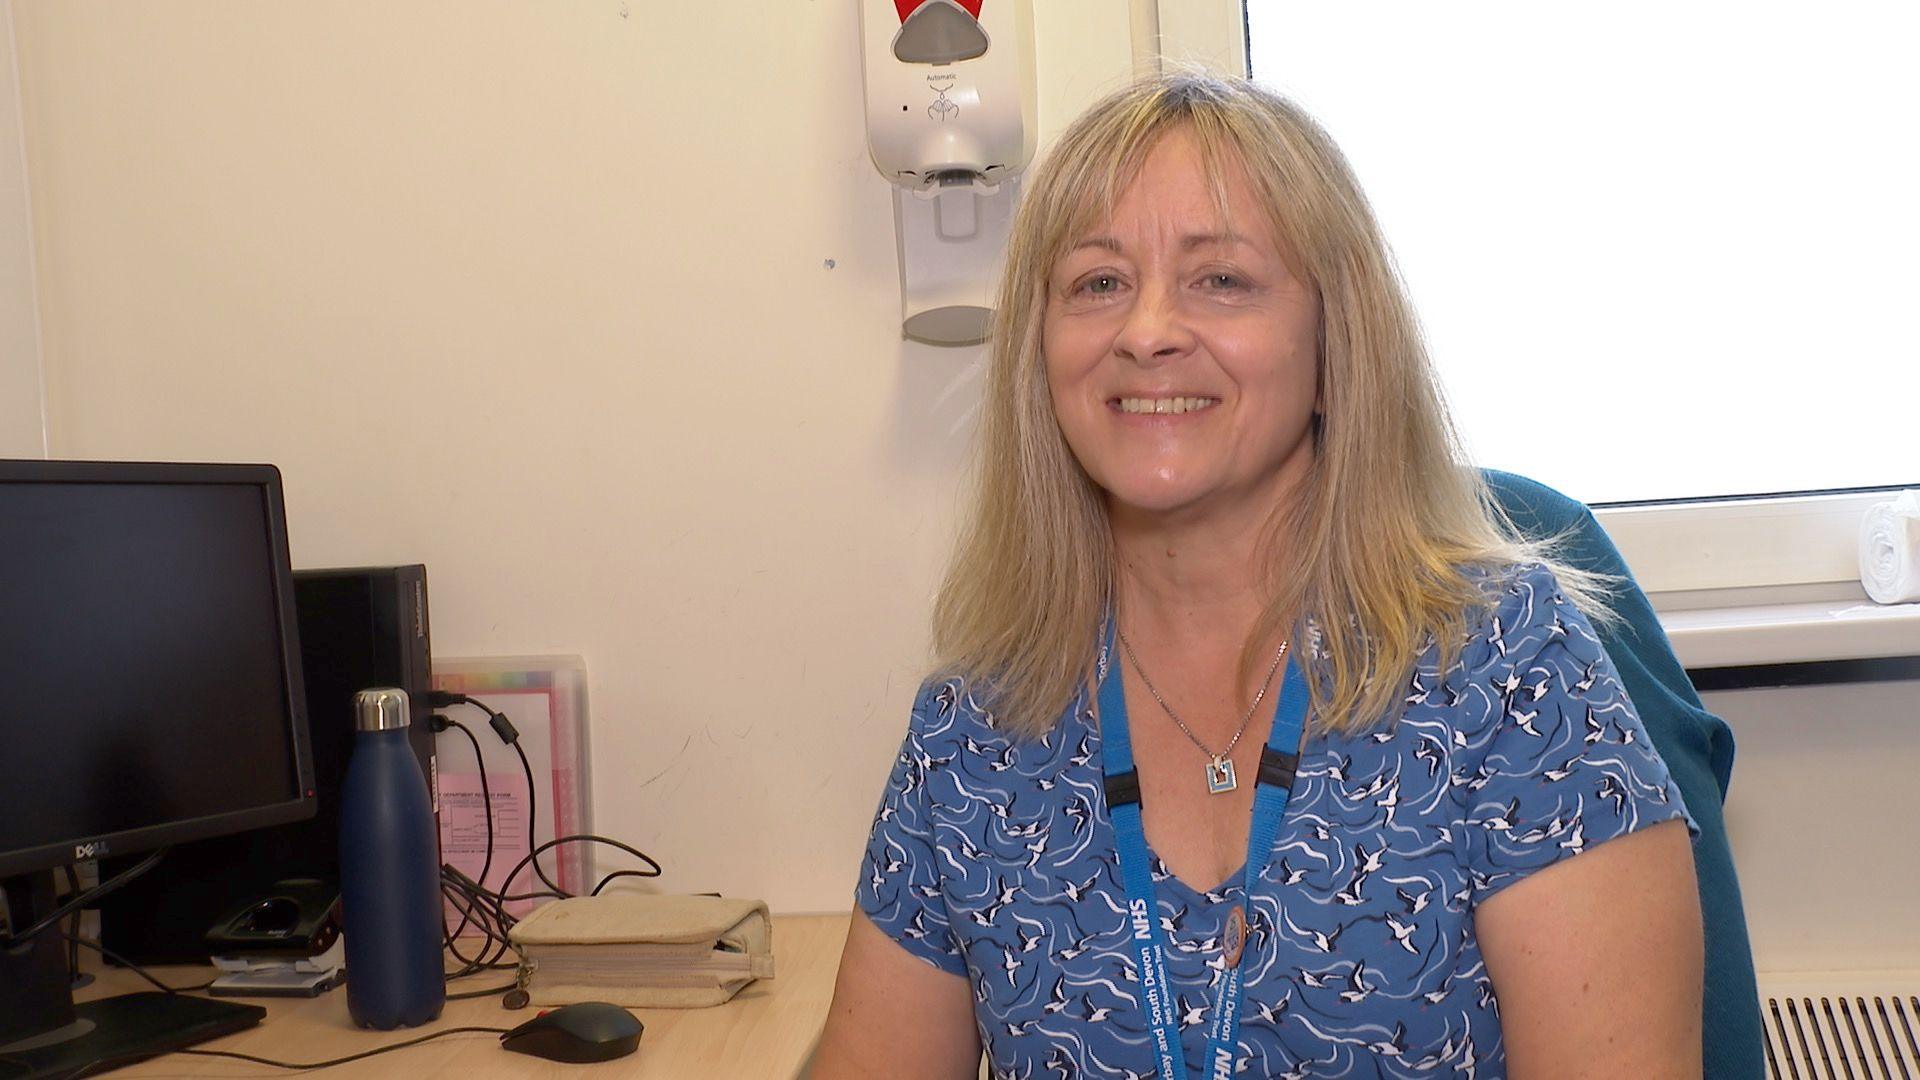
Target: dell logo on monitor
(89, 851)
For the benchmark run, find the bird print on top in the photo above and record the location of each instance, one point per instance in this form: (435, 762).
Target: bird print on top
(993, 859)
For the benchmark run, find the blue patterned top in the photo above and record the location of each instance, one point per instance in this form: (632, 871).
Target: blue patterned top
(993, 858)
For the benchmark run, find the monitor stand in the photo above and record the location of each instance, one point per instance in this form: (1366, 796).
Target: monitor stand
(42, 1031)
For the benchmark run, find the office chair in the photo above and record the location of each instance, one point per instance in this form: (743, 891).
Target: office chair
(1698, 750)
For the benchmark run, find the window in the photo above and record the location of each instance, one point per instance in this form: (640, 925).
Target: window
(1661, 251)
(1777, 170)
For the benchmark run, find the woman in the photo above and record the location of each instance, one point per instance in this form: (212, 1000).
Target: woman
(1218, 475)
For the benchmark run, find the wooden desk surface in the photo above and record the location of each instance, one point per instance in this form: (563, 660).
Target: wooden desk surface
(766, 1032)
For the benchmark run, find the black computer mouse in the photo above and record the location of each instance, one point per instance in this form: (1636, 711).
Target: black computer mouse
(588, 1031)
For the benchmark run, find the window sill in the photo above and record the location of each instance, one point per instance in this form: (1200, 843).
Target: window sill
(1809, 631)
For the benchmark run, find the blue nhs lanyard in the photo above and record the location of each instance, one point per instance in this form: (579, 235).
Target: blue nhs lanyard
(1278, 762)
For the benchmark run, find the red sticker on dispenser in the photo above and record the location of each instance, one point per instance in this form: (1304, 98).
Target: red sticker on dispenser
(906, 7)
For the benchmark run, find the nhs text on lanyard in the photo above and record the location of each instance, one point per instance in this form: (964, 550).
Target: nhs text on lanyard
(1278, 761)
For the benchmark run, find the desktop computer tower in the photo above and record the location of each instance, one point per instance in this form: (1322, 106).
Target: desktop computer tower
(359, 628)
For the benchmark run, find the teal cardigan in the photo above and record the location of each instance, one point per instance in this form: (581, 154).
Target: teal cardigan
(1697, 747)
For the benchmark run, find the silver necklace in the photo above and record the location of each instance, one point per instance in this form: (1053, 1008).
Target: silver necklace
(1220, 778)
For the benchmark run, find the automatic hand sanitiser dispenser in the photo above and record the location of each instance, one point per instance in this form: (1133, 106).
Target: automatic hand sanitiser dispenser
(950, 124)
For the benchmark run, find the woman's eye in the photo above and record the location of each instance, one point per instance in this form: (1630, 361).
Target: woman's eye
(1100, 285)
(1223, 280)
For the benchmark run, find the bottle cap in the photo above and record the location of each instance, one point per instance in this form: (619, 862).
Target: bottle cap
(382, 709)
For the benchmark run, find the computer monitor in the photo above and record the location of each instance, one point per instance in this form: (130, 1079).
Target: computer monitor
(150, 694)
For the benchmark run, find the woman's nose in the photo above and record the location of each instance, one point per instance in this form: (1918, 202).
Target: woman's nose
(1155, 330)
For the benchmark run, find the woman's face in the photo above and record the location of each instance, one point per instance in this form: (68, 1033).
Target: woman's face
(1182, 357)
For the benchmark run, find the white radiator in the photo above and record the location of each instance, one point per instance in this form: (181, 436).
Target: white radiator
(1842, 1025)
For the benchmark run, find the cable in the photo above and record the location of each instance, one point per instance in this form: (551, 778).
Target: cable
(652, 871)
(608, 880)
(485, 908)
(471, 914)
(481, 908)
(124, 1059)
(468, 897)
(350, 1057)
(502, 726)
(488, 992)
(75, 903)
(510, 735)
(533, 822)
(440, 723)
(74, 940)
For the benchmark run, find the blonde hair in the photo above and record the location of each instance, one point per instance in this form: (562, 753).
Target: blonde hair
(1389, 538)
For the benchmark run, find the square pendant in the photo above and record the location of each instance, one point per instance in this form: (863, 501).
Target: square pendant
(1220, 776)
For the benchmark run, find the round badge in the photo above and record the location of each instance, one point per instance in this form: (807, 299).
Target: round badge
(1233, 940)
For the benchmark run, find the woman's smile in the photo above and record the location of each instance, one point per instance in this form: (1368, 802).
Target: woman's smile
(1162, 406)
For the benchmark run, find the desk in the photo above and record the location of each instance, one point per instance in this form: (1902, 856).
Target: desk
(767, 1031)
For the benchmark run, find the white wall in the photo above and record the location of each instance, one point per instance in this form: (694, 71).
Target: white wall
(1821, 816)
(21, 430)
(592, 307)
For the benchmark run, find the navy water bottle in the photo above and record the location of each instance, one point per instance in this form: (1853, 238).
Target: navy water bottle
(389, 873)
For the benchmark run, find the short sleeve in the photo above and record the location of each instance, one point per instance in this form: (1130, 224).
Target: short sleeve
(1561, 762)
(900, 878)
